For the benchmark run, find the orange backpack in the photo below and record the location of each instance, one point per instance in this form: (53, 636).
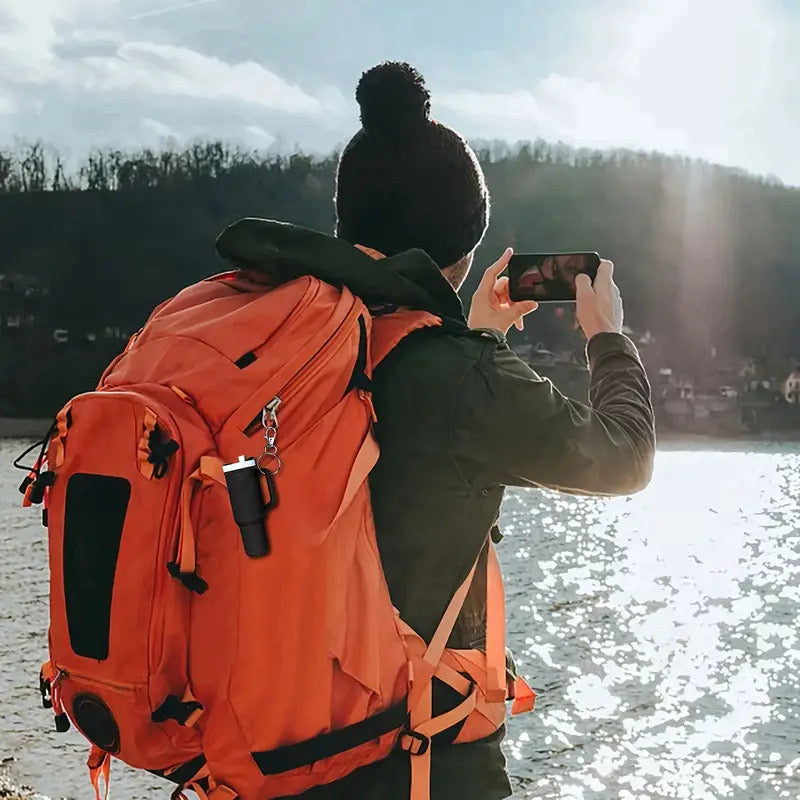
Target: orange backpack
(170, 647)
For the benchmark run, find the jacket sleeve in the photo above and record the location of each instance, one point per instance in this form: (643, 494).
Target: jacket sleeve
(516, 429)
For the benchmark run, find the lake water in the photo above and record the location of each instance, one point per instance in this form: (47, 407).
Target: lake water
(660, 630)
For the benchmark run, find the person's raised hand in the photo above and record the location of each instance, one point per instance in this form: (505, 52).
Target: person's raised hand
(599, 304)
(491, 305)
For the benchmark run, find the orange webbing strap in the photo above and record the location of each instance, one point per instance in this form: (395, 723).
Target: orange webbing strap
(422, 724)
(444, 721)
(143, 451)
(210, 470)
(99, 764)
(496, 686)
(60, 436)
(453, 678)
(365, 460)
(423, 671)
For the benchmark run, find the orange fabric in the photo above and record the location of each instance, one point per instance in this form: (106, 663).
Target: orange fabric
(57, 444)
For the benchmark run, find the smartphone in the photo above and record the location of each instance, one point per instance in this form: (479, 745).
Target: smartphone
(548, 277)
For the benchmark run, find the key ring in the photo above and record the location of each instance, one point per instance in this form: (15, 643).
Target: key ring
(266, 456)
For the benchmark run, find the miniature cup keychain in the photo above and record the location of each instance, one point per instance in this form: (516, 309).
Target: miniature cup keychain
(247, 479)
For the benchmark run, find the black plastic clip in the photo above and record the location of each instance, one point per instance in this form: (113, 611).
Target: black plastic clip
(44, 481)
(419, 744)
(191, 580)
(160, 452)
(45, 691)
(174, 708)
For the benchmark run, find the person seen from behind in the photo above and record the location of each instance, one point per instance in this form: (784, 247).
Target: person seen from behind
(461, 417)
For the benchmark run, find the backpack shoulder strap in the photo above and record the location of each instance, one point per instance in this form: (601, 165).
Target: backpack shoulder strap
(388, 330)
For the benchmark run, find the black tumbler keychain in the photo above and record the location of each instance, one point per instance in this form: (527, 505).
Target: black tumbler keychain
(249, 480)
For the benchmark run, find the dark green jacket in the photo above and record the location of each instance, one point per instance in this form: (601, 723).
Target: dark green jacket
(460, 418)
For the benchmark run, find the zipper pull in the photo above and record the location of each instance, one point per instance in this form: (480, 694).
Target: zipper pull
(270, 462)
(62, 720)
(270, 412)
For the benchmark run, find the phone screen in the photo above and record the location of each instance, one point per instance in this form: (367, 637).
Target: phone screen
(549, 277)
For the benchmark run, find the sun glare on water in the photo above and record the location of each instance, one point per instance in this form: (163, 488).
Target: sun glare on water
(661, 632)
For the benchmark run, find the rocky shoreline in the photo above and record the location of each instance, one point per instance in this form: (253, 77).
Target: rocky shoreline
(10, 791)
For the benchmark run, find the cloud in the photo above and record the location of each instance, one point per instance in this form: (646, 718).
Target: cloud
(163, 69)
(32, 52)
(559, 107)
(7, 105)
(158, 129)
(30, 31)
(261, 137)
(716, 79)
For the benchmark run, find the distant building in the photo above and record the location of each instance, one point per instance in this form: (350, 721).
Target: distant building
(791, 388)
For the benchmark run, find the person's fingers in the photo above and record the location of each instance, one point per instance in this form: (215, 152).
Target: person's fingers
(605, 275)
(583, 285)
(493, 272)
(501, 293)
(519, 310)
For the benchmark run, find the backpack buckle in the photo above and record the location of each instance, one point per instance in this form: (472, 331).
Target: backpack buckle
(419, 744)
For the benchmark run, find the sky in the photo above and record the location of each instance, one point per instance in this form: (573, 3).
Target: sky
(713, 79)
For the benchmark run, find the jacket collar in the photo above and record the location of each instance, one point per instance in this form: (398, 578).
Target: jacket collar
(410, 279)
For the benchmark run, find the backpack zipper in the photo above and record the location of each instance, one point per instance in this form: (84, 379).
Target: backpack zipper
(306, 373)
(65, 674)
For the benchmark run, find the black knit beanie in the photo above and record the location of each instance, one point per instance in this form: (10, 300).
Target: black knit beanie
(405, 180)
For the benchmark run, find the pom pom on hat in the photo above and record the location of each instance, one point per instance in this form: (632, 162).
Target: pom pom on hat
(392, 96)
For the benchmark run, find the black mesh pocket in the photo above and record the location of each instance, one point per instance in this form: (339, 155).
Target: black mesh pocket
(93, 520)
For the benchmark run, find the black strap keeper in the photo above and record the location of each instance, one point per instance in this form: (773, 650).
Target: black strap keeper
(44, 481)
(62, 723)
(191, 580)
(174, 708)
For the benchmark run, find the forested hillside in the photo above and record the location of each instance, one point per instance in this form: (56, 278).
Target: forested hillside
(706, 257)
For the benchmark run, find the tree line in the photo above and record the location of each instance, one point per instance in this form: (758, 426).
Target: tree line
(707, 257)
